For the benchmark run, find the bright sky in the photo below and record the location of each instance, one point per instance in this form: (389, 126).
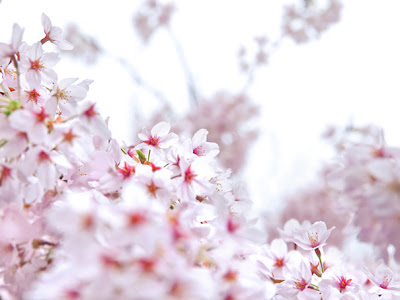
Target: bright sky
(351, 73)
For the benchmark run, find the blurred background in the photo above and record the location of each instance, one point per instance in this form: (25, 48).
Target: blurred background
(152, 60)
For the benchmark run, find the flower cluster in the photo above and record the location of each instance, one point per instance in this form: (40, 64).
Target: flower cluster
(358, 192)
(309, 272)
(85, 217)
(85, 48)
(91, 218)
(308, 22)
(152, 15)
(231, 128)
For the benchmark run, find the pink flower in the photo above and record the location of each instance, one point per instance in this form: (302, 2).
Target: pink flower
(7, 51)
(297, 283)
(383, 280)
(313, 237)
(66, 96)
(278, 256)
(37, 66)
(14, 141)
(195, 179)
(158, 138)
(200, 145)
(156, 183)
(93, 122)
(34, 96)
(33, 123)
(287, 234)
(337, 283)
(54, 34)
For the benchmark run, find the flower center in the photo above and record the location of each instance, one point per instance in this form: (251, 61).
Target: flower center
(152, 189)
(37, 65)
(230, 275)
(300, 285)
(189, 175)
(126, 171)
(279, 262)
(69, 136)
(343, 283)
(199, 151)
(63, 95)
(41, 116)
(153, 141)
(136, 218)
(313, 237)
(43, 156)
(33, 95)
(232, 225)
(386, 281)
(90, 112)
(5, 173)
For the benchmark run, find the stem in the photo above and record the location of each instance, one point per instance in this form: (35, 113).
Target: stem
(314, 287)
(322, 266)
(45, 39)
(176, 176)
(148, 156)
(318, 252)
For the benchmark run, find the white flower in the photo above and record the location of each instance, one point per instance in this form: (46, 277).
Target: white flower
(383, 280)
(158, 138)
(312, 237)
(54, 34)
(7, 51)
(200, 145)
(37, 66)
(297, 283)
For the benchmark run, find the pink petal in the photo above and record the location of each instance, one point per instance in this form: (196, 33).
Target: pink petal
(46, 23)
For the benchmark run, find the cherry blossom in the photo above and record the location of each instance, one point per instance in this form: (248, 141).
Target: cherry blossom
(37, 65)
(158, 138)
(84, 216)
(7, 51)
(297, 283)
(384, 280)
(34, 96)
(200, 145)
(194, 179)
(335, 284)
(312, 237)
(65, 92)
(54, 34)
(278, 257)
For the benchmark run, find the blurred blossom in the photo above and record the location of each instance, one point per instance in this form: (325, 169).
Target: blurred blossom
(358, 192)
(304, 23)
(85, 46)
(152, 15)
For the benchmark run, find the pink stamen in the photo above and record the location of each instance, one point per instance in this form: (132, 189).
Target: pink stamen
(313, 237)
(300, 285)
(189, 175)
(153, 141)
(386, 281)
